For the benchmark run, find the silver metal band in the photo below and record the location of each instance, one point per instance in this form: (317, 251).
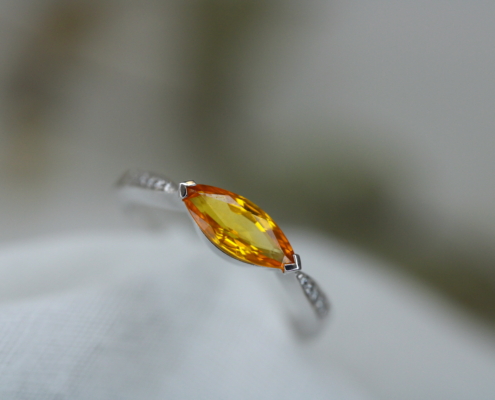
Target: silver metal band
(310, 306)
(149, 189)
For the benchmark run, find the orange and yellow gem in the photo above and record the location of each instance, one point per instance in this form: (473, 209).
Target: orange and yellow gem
(238, 227)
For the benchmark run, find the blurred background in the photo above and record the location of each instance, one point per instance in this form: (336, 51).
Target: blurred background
(371, 122)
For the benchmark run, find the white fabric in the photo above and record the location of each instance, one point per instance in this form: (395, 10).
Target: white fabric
(142, 316)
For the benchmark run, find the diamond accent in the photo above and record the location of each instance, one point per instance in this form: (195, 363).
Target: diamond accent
(314, 294)
(147, 180)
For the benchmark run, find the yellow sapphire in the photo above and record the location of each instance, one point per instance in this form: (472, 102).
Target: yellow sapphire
(238, 227)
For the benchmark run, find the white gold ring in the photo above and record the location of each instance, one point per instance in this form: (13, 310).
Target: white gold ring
(236, 229)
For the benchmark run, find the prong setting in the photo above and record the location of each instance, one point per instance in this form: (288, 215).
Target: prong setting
(296, 266)
(183, 188)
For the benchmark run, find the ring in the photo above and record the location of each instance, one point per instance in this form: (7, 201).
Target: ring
(236, 229)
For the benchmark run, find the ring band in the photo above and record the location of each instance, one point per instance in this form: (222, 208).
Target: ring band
(236, 229)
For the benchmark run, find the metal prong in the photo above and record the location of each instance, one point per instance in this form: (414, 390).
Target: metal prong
(297, 266)
(183, 188)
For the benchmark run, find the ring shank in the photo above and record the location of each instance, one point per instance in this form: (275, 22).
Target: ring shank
(308, 305)
(149, 189)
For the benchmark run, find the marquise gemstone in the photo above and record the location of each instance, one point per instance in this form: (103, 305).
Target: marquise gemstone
(238, 227)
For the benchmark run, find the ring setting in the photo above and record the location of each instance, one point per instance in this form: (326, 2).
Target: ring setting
(235, 227)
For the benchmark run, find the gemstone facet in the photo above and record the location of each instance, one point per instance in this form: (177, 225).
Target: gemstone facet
(238, 227)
